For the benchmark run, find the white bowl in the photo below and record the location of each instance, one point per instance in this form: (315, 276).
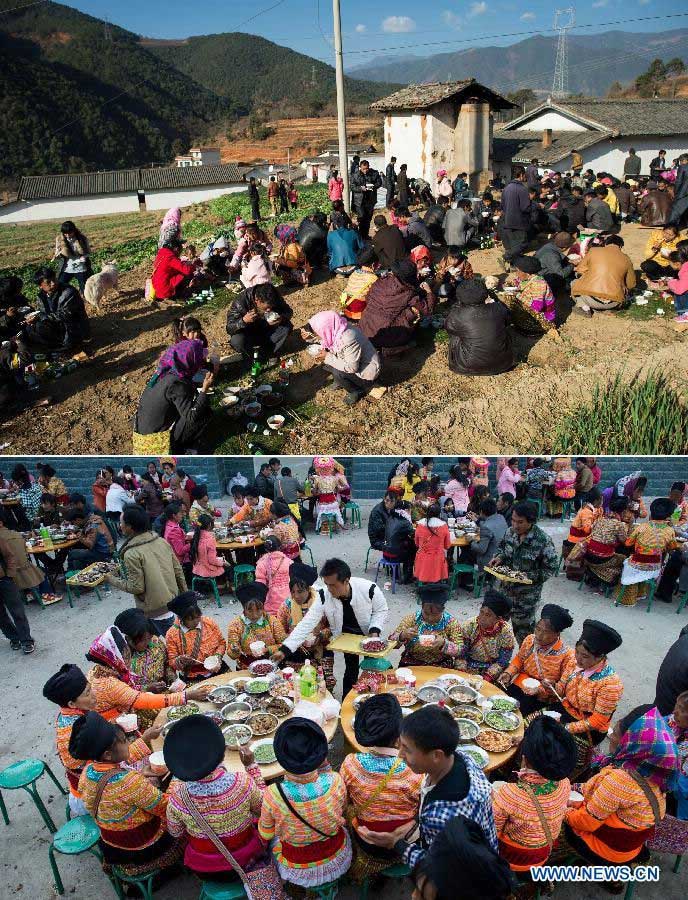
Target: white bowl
(575, 799)
(157, 763)
(532, 684)
(264, 389)
(553, 714)
(313, 349)
(257, 647)
(128, 722)
(212, 663)
(276, 422)
(229, 400)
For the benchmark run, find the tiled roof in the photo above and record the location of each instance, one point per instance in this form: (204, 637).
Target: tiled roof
(623, 117)
(124, 181)
(522, 145)
(422, 96)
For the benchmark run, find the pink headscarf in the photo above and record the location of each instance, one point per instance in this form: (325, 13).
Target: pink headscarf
(172, 217)
(330, 328)
(106, 650)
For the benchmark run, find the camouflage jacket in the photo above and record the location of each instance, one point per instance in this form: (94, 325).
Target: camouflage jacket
(534, 555)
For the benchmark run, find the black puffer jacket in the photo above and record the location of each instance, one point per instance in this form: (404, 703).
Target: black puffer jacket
(377, 523)
(313, 239)
(244, 303)
(479, 342)
(364, 190)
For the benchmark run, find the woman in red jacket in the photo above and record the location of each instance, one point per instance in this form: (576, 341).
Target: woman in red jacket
(171, 275)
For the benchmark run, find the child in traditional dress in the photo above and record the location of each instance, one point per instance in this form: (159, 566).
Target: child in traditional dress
(193, 638)
(253, 626)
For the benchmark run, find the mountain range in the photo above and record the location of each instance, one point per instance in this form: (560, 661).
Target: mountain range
(596, 61)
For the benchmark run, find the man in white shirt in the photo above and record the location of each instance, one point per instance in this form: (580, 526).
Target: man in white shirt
(350, 605)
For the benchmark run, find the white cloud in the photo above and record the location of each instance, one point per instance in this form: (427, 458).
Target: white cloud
(451, 18)
(599, 4)
(360, 29)
(477, 9)
(398, 24)
(527, 16)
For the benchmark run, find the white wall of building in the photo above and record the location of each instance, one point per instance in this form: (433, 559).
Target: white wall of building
(405, 135)
(187, 196)
(554, 120)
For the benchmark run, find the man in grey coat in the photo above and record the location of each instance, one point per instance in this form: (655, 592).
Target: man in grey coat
(556, 269)
(492, 529)
(598, 215)
(460, 225)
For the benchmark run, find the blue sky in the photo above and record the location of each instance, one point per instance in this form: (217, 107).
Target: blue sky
(386, 24)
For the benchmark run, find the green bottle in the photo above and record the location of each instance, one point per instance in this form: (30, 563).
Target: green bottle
(308, 681)
(256, 368)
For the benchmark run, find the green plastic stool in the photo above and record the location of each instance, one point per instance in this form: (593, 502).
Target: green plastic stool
(143, 882)
(536, 503)
(331, 520)
(682, 603)
(399, 870)
(566, 507)
(79, 590)
(559, 563)
(325, 891)
(36, 594)
(375, 664)
(200, 579)
(216, 890)
(370, 550)
(650, 595)
(243, 574)
(461, 569)
(310, 553)
(80, 835)
(23, 775)
(355, 514)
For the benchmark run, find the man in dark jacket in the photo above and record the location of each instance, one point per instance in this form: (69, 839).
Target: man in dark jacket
(377, 523)
(655, 206)
(251, 322)
(672, 678)
(419, 230)
(626, 199)
(632, 164)
(64, 303)
(265, 482)
(680, 207)
(515, 219)
(254, 199)
(174, 404)
(571, 210)
(492, 529)
(434, 219)
(399, 544)
(556, 269)
(658, 165)
(390, 181)
(388, 243)
(312, 236)
(598, 215)
(365, 184)
(533, 174)
(479, 341)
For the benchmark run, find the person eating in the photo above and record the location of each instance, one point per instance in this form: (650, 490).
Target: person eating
(253, 634)
(487, 640)
(193, 639)
(431, 636)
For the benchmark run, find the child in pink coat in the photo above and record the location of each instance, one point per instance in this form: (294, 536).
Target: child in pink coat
(456, 489)
(203, 550)
(272, 570)
(335, 187)
(679, 287)
(509, 477)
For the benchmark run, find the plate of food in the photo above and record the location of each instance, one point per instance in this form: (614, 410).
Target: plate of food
(258, 685)
(262, 723)
(462, 693)
(467, 712)
(236, 711)
(450, 680)
(237, 735)
(362, 698)
(239, 684)
(178, 712)
(474, 681)
(502, 721)
(264, 752)
(476, 753)
(405, 696)
(431, 693)
(493, 741)
(504, 704)
(221, 696)
(280, 689)
(468, 730)
(504, 573)
(262, 667)
(374, 645)
(279, 706)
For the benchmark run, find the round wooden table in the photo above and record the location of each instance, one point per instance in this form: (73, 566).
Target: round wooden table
(57, 545)
(463, 541)
(238, 545)
(232, 761)
(430, 673)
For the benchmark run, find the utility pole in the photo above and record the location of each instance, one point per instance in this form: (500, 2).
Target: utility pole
(341, 110)
(288, 164)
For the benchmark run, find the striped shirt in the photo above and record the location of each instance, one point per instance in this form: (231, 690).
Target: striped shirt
(591, 699)
(582, 524)
(516, 818)
(398, 800)
(227, 801)
(488, 654)
(114, 697)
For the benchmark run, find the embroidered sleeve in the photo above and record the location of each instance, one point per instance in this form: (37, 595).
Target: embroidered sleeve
(234, 633)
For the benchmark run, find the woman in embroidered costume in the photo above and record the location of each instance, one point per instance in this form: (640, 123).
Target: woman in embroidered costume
(208, 804)
(542, 656)
(650, 541)
(626, 799)
(119, 690)
(327, 483)
(148, 657)
(254, 624)
(488, 639)
(431, 636)
(383, 792)
(530, 812)
(678, 723)
(126, 806)
(573, 548)
(304, 816)
(563, 486)
(286, 529)
(605, 549)
(193, 638)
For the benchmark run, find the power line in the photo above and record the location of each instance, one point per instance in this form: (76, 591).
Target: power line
(25, 6)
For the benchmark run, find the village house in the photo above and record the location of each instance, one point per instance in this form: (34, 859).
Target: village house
(42, 197)
(444, 125)
(602, 131)
(199, 156)
(317, 168)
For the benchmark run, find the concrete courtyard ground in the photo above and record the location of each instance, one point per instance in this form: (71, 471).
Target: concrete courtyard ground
(62, 635)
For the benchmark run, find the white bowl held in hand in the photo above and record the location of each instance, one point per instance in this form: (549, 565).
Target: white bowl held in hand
(313, 349)
(212, 663)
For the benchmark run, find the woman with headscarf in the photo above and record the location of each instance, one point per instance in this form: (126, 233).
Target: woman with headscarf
(172, 411)
(193, 639)
(395, 307)
(431, 636)
(325, 485)
(346, 354)
(479, 339)
(126, 806)
(303, 817)
(488, 639)
(286, 529)
(272, 570)
(626, 799)
(215, 810)
(632, 487)
(149, 658)
(542, 657)
(383, 792)
(291, 263)
(532, 307)
(253, 626)
(605, 549)
(590, 689)
(170, 227)
(529, 812)
(120, 690)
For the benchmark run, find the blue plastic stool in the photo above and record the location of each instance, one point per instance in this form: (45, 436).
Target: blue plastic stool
(23, 775)
(331, 520)
(355, 510)
(143, 882)
(80, 835)
(200, 579)
(391, 566)
(243, 574)
(399, 870)
(216, 890)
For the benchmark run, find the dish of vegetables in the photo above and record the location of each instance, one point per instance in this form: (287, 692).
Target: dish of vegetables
(504, 704)
(178, 712)
(258, 686)
(502, 721)
(237, 735)
(264, 752)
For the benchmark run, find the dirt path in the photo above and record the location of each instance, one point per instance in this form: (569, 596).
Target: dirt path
(426, 408)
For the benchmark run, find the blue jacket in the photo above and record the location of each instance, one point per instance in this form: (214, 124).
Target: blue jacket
(343, 245)
(516, 206)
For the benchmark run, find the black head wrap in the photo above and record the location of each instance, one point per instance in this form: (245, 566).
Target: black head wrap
(181, 604)
(599, 638)
(434, 592)
(472, 293)
(133, 622)
(194, 747)
(405, 271)
(280, 508)
(66, 685)
(253, 591)
(378, 721)
(300, 746)
(302, 572)
(499, 603)
(549, 748)
(558, 617)
(462, 847)
(91, 736)
(531, 265)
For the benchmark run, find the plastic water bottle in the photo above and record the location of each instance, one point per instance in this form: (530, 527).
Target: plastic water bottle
(307, 680)
(321, 686)
(46, 537)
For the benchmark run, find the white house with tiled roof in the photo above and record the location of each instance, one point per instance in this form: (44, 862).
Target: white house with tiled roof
(602, 131)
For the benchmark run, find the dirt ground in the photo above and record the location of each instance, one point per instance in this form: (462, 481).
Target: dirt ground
(426, 408)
